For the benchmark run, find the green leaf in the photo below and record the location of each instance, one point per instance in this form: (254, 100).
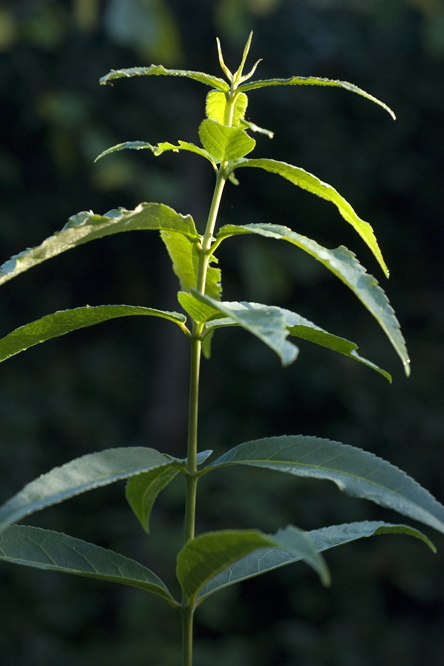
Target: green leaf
(216, 107)
(203, 558)
(356, 473)
(312, 184)
(314, 81)
(85, 227)
(159, 70)
(156, 150)
(267, 559)
(65, 321)
(267, 324)
(342, 263)
(86, 473)
(53, 551)
(223, 142)
(184, 255)
(197, 309)
(296, 325)
(142, 491)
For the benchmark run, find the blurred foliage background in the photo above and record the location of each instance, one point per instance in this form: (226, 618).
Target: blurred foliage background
(123, 383)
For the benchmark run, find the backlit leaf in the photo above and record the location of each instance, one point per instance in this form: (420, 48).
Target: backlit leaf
(185, 258)
(217, 104)
(224, 143)
(156, 150)
(159, 70)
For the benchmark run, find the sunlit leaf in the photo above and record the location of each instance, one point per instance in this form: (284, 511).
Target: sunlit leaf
(204, 557)
(314, 81)
(159, 70)
(85, 227)
(342, 263)
(53, 551)
(65, 321)
(312, 184)
(267, 559)
(185, 258)
(156, 150)
(217, 104)
(267, 324)
(224, 143)
(78, 476)
(357, 473)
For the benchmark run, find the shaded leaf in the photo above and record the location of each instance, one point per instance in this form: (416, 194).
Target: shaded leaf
(267, 559)
(223, 142)
(312, 184)
(185, 258)
(90, 471)
(142, 491)
(356, 473)
(53, 551)
(267, 324)
(65, 321)
(203, 558)
(314, 81)
(342, 263)
(159, 70)
(85, 227)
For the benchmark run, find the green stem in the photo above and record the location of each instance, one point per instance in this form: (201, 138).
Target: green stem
(187, 636)
(190, 507)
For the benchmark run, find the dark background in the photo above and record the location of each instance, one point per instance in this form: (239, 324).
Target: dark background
(124, 382)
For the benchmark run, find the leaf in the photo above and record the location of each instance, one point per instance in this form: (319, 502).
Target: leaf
(65, 321)
(217, 104)
(312, 184)
(156, 150)
(357, 473)
(296, 325)
(90, 471)
(199, 310)
(142, 491)
(267, 324)
(184, 255)
(85, 227)
(223, 142)
(267, 559)
(159, 70)
(342, 263)
(53, 551)
(314, 81)
(203, 558)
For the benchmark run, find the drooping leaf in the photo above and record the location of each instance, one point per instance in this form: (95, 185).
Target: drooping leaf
(356, 473)
(312, 184)
(204, 557)
(142, 491)
(65, 321)
(86, 473)
(156, 150)
(296, 325)
(314, 81)
(217, 104)
(224, 143)
(185, 258)
(53, 551)
(267, 559)
(85, 227)
(267, 324)
(342, 263)
(159, 70)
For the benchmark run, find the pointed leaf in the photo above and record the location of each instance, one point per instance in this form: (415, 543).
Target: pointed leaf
(65, 321)
(199, 310)
(142, 491)
(204, 557)
(267, 324)
(159, 70)
(90, 471)
(267, 559)
(184, 255)
(296, 325)
(314, 81)
(342, 263)
(357, 473)
(312, 184)
(223, 142)
(156, 150)
(53, 551)
(217, 104)
(85, 227)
